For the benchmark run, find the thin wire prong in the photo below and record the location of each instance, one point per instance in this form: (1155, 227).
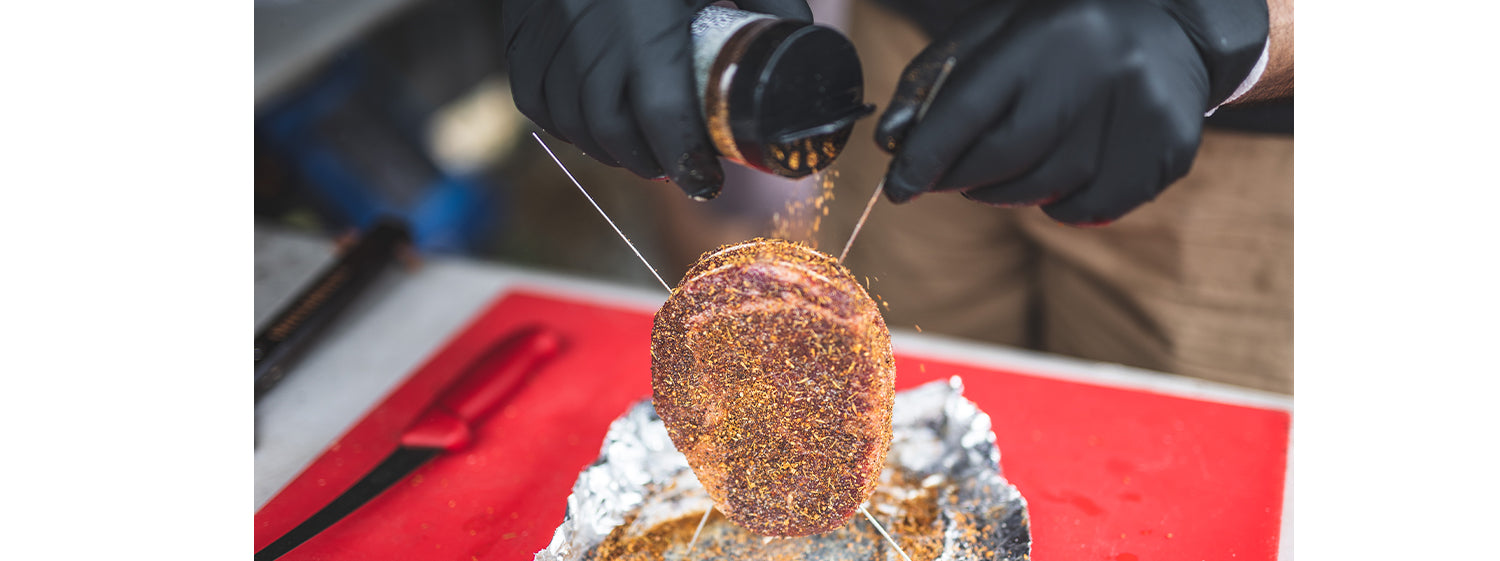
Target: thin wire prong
(921, 111)
(937, 84)
(601, 212)
(694, 542)
(882, 532)
(862, 217)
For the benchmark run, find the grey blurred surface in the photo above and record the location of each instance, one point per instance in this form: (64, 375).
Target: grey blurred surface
(284, 262)
(292, 37)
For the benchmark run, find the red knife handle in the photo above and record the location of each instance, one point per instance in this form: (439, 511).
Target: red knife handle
(482, 387)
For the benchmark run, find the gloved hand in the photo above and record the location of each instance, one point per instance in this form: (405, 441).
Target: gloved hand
(1088, 108)
(615, 79)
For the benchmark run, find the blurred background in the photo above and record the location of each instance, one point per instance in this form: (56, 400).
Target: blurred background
(401, 107)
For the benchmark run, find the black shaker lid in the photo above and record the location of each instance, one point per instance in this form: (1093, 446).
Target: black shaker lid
(795, 97)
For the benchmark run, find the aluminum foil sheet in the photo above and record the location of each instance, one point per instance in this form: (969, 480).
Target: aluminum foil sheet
(941, 497)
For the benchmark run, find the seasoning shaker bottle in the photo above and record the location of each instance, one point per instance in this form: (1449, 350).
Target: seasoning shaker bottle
(777, 95)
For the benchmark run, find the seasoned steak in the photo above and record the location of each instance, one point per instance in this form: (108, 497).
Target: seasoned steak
(772, 369)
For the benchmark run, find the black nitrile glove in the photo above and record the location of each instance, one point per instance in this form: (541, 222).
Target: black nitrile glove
(1086, 107)
(615, 79)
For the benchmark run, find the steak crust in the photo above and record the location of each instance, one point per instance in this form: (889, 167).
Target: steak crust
(772, 370)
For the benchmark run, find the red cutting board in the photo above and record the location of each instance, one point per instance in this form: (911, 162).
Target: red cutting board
(1108, 473)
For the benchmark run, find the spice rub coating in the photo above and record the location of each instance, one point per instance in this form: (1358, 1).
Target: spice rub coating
(772, 370)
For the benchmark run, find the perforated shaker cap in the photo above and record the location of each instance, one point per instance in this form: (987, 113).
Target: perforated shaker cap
(794, 96)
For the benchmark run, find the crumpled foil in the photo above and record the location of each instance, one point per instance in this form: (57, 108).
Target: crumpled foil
(941, 497)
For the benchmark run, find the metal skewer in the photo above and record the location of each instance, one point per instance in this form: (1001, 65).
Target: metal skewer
(878, 528)
(937, 84)
(694, 541)
(601, 213)
(862, 217)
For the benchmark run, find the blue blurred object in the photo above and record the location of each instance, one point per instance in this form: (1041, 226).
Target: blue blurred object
(352, 136)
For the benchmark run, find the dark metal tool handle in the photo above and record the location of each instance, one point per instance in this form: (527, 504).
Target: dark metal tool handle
(314, 309)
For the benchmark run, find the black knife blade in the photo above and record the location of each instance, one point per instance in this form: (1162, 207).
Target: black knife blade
(395, 467)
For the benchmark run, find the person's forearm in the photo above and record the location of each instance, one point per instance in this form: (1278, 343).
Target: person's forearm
(1276, 82)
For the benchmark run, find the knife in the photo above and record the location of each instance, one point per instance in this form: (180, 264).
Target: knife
(446, 426)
